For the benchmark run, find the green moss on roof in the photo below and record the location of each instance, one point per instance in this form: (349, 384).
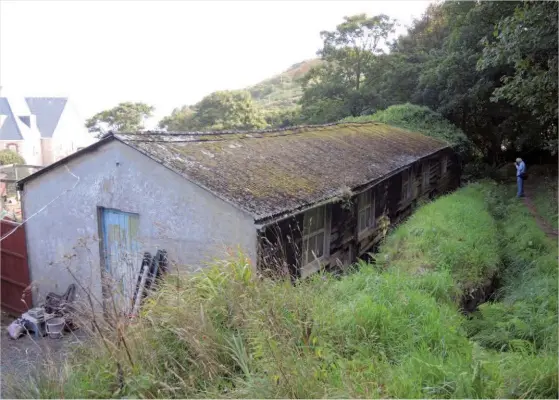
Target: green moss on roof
(271, 172)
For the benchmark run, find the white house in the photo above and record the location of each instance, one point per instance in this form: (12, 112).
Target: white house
(41, 129)
(303, 197)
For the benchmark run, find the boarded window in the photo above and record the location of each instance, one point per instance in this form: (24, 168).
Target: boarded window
(314, 234)
(366, 211)
(444, 165)
(407, 180)
(425, 171)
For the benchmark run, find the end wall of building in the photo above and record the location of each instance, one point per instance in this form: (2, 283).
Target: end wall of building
(192, 224)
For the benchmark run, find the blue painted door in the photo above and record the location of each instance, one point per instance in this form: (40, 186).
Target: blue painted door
(121, 251)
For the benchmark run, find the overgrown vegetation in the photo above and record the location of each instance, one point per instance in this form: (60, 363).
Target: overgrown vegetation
(388, 330)
(545, 199)
(10, 157)
(522, 321)
(423, 120)
(487, 67)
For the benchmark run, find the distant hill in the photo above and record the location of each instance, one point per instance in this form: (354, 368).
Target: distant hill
(282, 91)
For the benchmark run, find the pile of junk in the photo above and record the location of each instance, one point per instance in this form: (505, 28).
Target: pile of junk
(51, 318)
(55, 316)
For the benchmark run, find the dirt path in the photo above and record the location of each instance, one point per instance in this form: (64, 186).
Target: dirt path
(542, 223)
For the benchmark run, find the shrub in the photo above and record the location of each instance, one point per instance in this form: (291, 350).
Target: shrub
(10, 157)
(423, 120)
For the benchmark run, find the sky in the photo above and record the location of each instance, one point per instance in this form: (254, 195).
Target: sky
(164, 53)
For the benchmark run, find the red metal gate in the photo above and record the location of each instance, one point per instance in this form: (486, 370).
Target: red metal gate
(13, 269)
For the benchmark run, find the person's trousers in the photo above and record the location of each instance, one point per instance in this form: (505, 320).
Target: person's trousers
(520, 184)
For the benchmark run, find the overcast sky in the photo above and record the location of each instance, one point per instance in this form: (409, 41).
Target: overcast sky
(164, 53)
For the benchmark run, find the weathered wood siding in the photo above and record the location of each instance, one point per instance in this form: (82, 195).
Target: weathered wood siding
(281, 244)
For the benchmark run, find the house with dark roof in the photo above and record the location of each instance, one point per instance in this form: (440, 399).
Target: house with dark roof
(41, 129)
(292, 200)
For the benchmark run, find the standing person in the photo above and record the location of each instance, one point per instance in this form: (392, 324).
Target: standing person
(520, 175)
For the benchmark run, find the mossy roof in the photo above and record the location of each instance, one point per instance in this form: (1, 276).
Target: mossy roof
(270, 173)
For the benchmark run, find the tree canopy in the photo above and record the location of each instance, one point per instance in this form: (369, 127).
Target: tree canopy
(10, 157)
(222, 110)
(490, 68)
(125, 117)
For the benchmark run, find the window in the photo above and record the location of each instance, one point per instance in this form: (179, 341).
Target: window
(314, 235)
(366, 211)
(406, 185)
(425, 170)
(444, 165)
(13, 147)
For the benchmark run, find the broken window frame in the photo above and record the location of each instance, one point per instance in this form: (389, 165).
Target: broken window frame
(312, 230)
(407, 185)
(366, 206)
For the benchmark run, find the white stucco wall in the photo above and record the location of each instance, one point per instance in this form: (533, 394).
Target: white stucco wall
(70, 134)
(190, 223)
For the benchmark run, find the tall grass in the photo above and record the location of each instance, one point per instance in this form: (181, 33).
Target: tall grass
(523, 322)
(387, 330)
(456, 233)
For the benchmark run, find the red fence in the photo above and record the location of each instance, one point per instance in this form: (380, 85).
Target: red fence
(13, 269)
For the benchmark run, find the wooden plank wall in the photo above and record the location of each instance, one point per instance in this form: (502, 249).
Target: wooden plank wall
(280, 243)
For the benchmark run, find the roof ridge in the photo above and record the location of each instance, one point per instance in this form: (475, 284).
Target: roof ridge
(293, 129)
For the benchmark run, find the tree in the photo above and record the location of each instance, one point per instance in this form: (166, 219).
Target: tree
(125, 117)
(10, 157)
(180, 120)
(526, 42)
(354, 43)
(335, 88)
(222, 110)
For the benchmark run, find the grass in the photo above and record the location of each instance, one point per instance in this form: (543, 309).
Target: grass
(523, 322)
(444, 236)
(545, 199)
(393, 329)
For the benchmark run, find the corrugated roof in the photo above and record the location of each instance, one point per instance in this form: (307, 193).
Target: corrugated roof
(268, 173)
(9, 129)
(48, 111)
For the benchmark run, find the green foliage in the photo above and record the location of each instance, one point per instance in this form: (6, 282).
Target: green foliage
(180, 120)
(527, 40)
(390, 332)
(546, 200)
(423, 120)
(222, 110)
(429, 241)
(283, 118)
(283, 91)
(10, 157)
(526, 314)
(125, 117)
(336, 88)
(488, 67)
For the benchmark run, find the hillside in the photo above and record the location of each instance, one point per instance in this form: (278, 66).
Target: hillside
(282, 90)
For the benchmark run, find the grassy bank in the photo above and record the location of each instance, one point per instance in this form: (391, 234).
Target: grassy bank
(393, 329)
(545, 199)
(522, 322)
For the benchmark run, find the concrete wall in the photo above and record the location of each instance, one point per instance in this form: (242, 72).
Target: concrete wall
(190, 223)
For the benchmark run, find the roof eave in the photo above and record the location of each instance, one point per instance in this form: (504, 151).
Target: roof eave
(267, 219)
(105, 139)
